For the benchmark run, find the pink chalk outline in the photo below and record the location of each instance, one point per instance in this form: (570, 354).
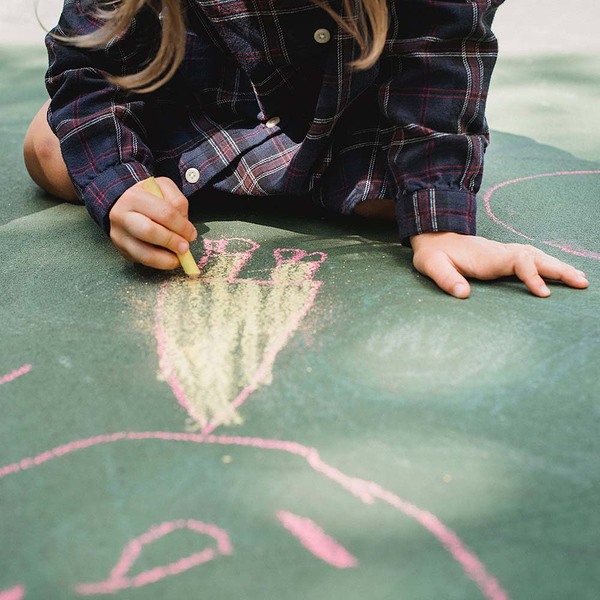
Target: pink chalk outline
(13, 375)
(569, 249)
(316, 541)
(308, 533)
(15, 593)
(367, 492)
(219, 247)
(118, 579)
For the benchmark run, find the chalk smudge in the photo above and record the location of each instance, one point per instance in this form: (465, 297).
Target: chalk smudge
(217, 337)
(15, 593)
(564, 247)
(119, 579)
(367, 492)
(316, 541)
(13, 375)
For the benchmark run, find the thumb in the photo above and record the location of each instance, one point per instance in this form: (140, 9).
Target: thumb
(440, 268)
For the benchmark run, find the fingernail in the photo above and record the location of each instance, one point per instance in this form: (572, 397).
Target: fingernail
(460, 290)
(182, 248)
(544, 290)
(195, 235)
(582, 278)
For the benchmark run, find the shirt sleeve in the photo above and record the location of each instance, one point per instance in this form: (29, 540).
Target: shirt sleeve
(99, 126)
(440, 58)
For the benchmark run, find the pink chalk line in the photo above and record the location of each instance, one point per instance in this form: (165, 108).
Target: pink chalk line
(15, 593)
(569, 249)
(575, 250)
(366, 491)
(118, 579)
(316, 541)
(13, 375)
(219, 247)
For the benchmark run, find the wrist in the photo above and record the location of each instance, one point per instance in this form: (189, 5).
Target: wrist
(423, 239)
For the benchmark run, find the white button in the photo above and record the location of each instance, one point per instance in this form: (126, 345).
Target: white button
(273, 121)
(322, 36)
(192, 175)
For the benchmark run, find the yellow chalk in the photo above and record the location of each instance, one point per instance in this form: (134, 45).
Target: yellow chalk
(186, 260)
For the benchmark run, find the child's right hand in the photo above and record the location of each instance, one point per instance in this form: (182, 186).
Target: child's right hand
(151, 231)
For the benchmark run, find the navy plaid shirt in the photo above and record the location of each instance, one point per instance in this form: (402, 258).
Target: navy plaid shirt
(265, 103)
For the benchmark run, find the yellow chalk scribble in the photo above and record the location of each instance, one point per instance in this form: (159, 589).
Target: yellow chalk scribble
(218, 336)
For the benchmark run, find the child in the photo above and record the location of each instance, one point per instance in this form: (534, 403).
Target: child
(373, 107)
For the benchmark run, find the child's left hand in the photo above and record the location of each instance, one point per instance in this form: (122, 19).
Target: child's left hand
(450, 257)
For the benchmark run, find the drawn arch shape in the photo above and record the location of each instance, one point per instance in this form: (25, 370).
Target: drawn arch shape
(573, 249)
(119, 578)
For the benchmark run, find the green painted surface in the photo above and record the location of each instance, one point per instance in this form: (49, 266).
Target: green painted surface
(483, 412)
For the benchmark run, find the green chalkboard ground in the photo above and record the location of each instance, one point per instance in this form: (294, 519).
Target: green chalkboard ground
(388, 441)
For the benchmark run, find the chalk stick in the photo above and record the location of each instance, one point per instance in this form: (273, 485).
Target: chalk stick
(186, 260)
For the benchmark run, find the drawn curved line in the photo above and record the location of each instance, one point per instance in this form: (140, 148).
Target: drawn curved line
(576, 251)
(564, 248)
(316, 541)
(14, 593)
(118, 579)
(366, 491)
(13, 375)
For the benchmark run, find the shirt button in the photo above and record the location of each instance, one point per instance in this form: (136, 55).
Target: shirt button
(273, 121)
(322, 36)
(192, 175)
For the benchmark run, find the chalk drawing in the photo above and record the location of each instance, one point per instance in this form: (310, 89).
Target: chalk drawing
(15, 593)
(13, 375)
(217, 337)
(119, 579)
(255, 319)
(569, 248)
(367, 492)
(316, 541)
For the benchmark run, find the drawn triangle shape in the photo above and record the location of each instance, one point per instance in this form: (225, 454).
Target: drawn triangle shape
(218, 336)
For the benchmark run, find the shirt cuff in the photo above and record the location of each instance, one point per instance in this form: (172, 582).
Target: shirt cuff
(101, 194)
(433, 210)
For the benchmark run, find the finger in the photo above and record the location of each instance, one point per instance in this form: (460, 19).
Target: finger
(145, 229)
(439, 267)
(164, 213)
(146, 254)
(527, 271)
(552, 268)
(172, 194)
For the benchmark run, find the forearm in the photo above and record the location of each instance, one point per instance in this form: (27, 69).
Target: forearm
(436, 100)
(99, 127)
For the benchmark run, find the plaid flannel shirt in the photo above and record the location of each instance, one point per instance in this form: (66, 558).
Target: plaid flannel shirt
(266, 104)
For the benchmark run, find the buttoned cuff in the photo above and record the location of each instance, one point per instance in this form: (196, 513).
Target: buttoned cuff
(101, 194)
(433, 210)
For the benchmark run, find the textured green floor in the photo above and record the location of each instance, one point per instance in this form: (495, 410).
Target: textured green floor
(483, 413)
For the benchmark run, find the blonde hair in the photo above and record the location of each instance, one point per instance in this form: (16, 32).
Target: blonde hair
(367, 23)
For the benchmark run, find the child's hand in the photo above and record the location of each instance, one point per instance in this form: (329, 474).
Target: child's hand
(151, 231)
(450, 257)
